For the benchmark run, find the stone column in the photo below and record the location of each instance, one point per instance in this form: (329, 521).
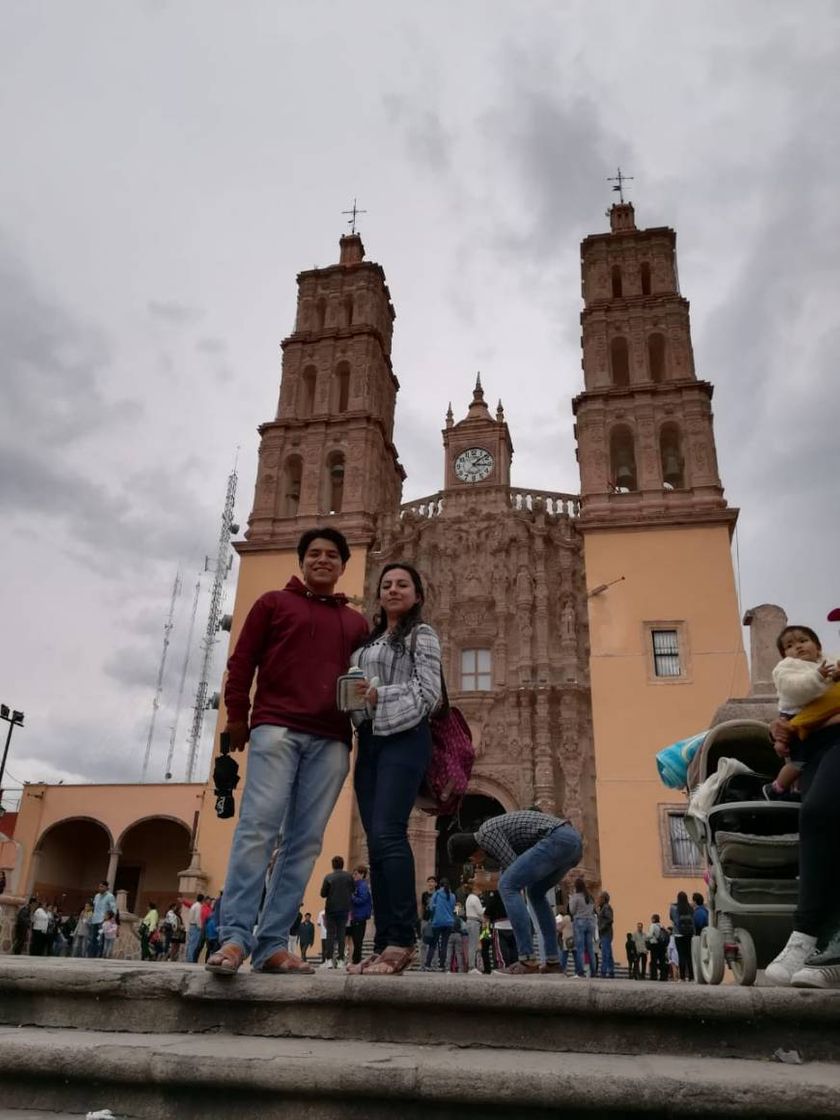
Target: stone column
(113, 861)
(765, 623)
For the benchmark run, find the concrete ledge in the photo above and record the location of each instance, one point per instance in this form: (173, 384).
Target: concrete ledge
(548, 1014)
(155, 1075)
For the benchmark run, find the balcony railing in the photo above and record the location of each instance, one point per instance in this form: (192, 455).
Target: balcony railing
(553, 502)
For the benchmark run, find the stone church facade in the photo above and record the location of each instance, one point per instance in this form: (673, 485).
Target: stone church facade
(546, 603)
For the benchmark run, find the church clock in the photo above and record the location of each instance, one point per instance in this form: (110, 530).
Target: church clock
(474, 464)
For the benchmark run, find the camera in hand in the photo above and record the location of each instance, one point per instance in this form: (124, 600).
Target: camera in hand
(225, 778)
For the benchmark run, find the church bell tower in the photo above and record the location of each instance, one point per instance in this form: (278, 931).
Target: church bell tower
(665, 635)
(328, 456)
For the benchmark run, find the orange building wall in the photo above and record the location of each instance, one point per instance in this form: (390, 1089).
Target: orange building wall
(679, 574)
(260, 572)
(115, 807)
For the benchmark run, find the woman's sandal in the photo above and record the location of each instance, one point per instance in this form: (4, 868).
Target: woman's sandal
(227, 960)
(392, 962)
(362, 966)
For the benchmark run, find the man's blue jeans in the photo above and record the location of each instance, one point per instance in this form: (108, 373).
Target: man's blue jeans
(94, 947)
(193, 944)
(293, 783)
(536, 871)
(607, 961)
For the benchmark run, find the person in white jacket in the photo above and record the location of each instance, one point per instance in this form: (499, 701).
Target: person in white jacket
(800, 677)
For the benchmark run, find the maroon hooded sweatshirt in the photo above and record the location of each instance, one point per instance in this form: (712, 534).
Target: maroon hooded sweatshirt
(298, 643)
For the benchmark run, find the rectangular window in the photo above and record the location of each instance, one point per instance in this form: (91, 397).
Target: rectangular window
(685, 855)
(476, 670)
(666, 653)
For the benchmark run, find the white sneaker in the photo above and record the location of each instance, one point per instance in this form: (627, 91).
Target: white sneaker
(791, 959)
(815, 976)
(340, 965)
(326, 964)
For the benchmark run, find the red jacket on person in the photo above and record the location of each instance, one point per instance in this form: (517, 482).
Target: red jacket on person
(298, 643)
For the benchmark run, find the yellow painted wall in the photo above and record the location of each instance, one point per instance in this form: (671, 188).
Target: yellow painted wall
(679, 574)
(260, 572)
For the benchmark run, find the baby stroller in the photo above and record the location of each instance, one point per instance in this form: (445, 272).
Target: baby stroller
(751, 852)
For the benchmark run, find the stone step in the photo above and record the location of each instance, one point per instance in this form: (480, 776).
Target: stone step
(551, 1014)
(177, 1076)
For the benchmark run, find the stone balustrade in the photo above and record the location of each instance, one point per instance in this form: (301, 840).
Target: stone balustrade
(552, 502)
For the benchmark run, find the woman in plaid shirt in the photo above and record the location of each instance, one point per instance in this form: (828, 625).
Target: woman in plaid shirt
(402, 686)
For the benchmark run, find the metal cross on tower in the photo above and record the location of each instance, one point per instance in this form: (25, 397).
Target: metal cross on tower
(620, 180)
(351, 221)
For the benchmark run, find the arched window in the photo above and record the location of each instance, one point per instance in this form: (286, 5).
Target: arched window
(671, 457)
(348, 311)
(616, 281)
(341, 388)
(619, 361)
(290, 492)
(308, 383)
(320, 314)
(645, 270)
(334, 482)
(622, 459)
(656, 356)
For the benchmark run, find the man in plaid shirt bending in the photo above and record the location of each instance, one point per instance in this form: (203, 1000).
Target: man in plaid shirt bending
(534, 851)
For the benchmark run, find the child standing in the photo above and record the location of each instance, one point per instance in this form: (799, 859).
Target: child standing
(801, 678)
(110, 929)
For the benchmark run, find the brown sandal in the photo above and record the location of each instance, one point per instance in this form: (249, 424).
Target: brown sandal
(392, 962)
(362, 966)
(285, 962)
(227, 960)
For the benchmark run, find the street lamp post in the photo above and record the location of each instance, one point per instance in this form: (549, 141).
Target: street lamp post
(14, 719)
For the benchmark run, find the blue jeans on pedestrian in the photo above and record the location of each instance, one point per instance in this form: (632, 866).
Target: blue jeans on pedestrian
(607, 961)
(389, 772)
(193, 944)
(584, 943)
(293, 782)
(94, 945)
(536, 871)
(440, 941)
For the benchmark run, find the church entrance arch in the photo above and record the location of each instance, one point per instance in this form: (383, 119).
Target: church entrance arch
(152, 852)
(70, 859)
(476, 809)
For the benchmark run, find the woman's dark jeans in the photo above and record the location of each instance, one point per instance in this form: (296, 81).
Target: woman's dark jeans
(389, 772)
(440, 939)
(819, 835)
(683, 943)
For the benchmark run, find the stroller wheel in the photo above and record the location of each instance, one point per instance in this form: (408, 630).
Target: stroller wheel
(745, 965)
(695, 961)
(712, 957)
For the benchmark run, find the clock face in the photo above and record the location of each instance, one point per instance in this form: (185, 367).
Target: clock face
(474, 464)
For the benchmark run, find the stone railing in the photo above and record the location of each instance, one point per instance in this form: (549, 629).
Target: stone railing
(432, 506)
(553, 502)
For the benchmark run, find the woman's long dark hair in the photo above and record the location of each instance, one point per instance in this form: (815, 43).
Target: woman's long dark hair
(409, 620)
(580, 887)
(444, 883)
(683, 905)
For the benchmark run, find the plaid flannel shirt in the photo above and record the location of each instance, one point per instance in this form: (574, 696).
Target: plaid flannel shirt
(508, 836)
(410, 687)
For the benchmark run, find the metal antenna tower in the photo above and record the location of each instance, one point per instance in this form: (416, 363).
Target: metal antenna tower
(220, 570)
(167, 631)
(181, 684)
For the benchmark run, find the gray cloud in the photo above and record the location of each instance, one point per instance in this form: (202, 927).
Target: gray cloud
(173, 313)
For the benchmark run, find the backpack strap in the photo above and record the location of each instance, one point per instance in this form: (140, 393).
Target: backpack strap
(443, 707)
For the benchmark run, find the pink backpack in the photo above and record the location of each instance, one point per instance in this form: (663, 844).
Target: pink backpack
(453, 755)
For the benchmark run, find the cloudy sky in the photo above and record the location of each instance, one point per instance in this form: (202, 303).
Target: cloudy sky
(168, 168)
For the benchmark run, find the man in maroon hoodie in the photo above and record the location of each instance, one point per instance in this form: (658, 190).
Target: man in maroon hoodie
(298, 641)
